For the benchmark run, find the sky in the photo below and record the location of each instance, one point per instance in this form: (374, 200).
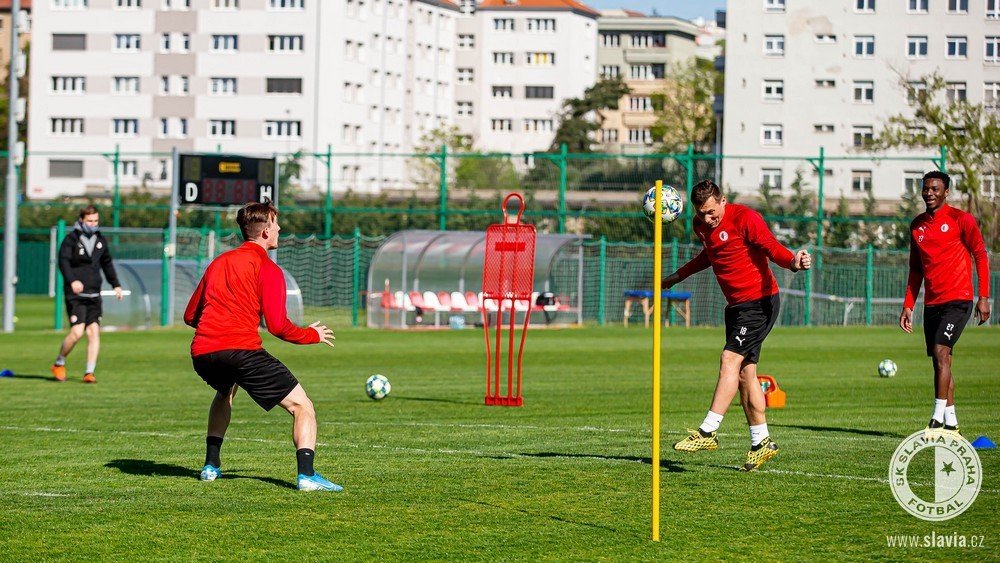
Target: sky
(686, 9)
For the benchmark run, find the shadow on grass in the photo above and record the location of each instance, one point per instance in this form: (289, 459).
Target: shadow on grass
(839, 429)
(149, 468)
(670, 465)
(542, 515)
(32, 376)
(433, 400)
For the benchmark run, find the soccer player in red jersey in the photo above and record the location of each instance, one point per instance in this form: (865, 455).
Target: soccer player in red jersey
(738, 245)
(941, 242)
(225, 310)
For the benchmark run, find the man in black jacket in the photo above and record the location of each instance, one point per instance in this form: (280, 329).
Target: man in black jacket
(82, 256)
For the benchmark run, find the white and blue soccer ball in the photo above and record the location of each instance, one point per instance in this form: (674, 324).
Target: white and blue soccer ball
(377, 387)
(671, 204)
(887, 368)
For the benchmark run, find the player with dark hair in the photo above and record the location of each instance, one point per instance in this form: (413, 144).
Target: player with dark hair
(941, 242)
(83, 255)
(737, 245)
(238, 287)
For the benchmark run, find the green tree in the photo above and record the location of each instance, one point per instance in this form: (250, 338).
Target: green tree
(909, 207)
(580, 118)
(22, 86)
(684, 108)
(970, 131)
(802, 203)
(425, 171)
(289, 172)
(840, 232)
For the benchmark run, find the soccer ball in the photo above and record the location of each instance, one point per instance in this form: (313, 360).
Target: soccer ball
(671, 204)
(887, 368)
(377, 387)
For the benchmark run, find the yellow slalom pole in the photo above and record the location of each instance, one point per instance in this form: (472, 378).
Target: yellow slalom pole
(657, 299)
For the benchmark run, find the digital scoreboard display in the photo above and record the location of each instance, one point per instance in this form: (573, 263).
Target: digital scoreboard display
(220, 179)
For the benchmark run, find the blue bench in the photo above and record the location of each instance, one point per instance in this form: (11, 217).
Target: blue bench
(679, 300)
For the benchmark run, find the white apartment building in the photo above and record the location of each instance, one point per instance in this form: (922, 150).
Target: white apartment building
(248, 76)
(517, 60)
(804, 75)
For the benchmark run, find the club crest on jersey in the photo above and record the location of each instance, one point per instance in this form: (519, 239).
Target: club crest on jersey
(944, 228)
(99, 245)
(723, 236)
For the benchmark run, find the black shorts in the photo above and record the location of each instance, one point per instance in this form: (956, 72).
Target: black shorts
(748, 324)
(84, 310)
(264, 378)
(943, 324)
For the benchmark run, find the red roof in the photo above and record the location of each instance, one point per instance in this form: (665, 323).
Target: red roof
(634, 14)
(540, 4)
(5, 5)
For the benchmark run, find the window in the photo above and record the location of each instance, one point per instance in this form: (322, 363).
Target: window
(69, 42)
(125, 85)
(466, 41)
(222, 86)
(69, 4)
(864, 92)
(128, 4)
(646, 72)
(609, 135)
(284, 43)
(864, 6)
(826, 38)
(774, 45)
(69, 84)
(992, 49)
(165, 43)
(503, 24)
(539, 92)
(958, 47)
(863, 135)
(958, 6)
(225, 4)
(185, 42)
(823, 128)
(541, 24)
(221, 128)
(274, 129)
(771, 177)
(774, 90)
(65, 169)
(916, 46)
(640, 135)
(913, 182)
(611, 40)
(176, 5)
(124, 127)
(286, 4)
(991, 94)
(503, 91)
(610, 71)
(463, 109)
(640, 103)
(225, 43)
(916, 89)
(66, 126)
(771, 135)
(825, 83)
(916, 6)
(503, 58)
(955, 92)
(535, 125)
(126, 42)
(541, 59)
(286, 86)
(861, 180)
(774, 5)
(864, 46)
(128, 168)
(993, 9)
(465, 75)
(501, 124)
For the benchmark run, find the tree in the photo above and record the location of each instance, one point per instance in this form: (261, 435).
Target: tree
(289, 171)
(840, 232)
(970, 131)
(684, 108)
(22, 85)
(580, 118)
(425, 171)
(910, 206)
(802, 203)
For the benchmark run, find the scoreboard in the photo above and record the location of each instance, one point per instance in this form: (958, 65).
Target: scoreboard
(223, 179)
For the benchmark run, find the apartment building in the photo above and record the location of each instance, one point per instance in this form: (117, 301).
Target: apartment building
(639, 49)
(6, 25)
(249, 76)
(804, 75)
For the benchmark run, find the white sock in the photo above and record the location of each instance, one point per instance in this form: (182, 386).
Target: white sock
(950, 419)
(712, 422)
(757, 434)
(60, 360)
(939, 405)
(91, 366)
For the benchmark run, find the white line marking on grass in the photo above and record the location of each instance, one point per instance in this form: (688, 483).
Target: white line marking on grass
(39, 494)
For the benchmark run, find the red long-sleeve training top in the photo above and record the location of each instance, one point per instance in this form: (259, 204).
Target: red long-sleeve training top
(237, 288)
(738, 251)
(940, 248)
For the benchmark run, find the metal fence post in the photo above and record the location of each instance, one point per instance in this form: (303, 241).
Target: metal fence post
(943, 160)
(117, 197)
(673, 268)
(689, 180)
(443, 209)
(328, 202)
(60, 235)
(356, 276)
(869, 284)
(601, 295)
(165, 280)
(562, 187)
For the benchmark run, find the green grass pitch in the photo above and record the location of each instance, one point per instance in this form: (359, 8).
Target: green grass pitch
(109, 471)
